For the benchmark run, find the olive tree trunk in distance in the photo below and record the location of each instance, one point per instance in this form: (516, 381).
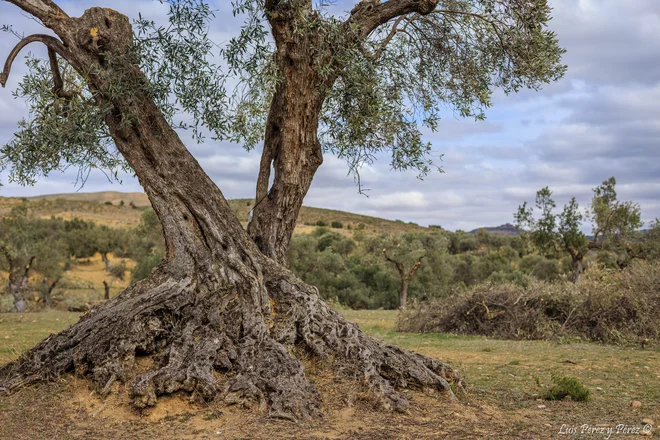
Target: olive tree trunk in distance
(217, 316)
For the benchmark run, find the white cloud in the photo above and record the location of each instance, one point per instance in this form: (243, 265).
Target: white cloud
(602, 120)
(399, 201)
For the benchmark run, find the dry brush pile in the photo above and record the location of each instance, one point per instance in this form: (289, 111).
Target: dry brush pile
(607, 306)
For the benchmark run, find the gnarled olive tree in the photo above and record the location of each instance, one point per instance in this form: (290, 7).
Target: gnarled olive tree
(222, 313)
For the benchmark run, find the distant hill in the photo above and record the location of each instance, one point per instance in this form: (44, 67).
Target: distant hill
(107, 208)
(507, 229)
(115, 197)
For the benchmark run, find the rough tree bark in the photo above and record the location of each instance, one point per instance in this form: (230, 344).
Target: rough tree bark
(217, 316)
(578, 269)
(292, 151)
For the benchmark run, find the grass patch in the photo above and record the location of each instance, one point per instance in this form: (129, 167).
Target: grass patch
(567, 386)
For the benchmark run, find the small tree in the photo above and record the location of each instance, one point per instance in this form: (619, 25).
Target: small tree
(616, 224)
(406, 253)
(612, 221)
(17, 253)
(116, 271)
(51, 263)
(553, 234)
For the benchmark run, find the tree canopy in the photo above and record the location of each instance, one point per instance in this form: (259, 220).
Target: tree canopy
(385, 72)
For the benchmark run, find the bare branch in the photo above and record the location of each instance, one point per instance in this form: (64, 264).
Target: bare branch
(472, 14)
(395, 30)
(52, 43)
(44, 10)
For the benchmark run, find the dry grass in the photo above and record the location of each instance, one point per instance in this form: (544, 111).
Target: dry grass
(92, 207)
(114, 216)
(79, 287)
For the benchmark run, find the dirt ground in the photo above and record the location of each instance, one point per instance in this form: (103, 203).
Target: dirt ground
(506, 381)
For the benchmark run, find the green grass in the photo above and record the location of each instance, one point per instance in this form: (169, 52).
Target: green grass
(567, 386)
(20, 331)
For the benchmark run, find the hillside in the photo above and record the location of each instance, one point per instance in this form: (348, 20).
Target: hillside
(115, 216)
(106, 208)
(507, 229)
(115, 197)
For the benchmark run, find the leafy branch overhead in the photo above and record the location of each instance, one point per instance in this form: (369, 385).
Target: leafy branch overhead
(383, 73)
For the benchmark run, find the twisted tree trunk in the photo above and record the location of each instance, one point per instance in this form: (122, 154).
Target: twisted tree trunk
(292, 151)
(217, 316)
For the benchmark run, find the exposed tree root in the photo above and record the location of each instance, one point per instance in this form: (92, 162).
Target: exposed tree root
(213, 342)
(302, 318)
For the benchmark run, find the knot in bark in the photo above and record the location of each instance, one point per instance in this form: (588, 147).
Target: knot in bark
(101, 29)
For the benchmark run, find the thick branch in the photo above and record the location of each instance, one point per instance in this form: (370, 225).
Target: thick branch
(368, 15)
(53, 44)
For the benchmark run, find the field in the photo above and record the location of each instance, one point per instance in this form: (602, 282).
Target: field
(506, 379)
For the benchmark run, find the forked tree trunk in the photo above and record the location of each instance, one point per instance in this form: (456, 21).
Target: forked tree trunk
(48, 290)
(292, 153)
(405, 275)
(217, 316)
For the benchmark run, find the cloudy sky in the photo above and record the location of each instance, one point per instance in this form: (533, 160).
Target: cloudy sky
(601, 120)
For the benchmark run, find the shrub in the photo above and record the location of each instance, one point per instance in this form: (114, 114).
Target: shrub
(321, 223)
(361, 226)
(337, 225)
(567, 386)
(108, 203)
(607, 306)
